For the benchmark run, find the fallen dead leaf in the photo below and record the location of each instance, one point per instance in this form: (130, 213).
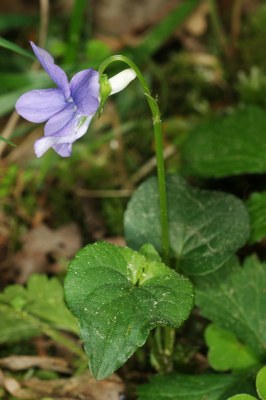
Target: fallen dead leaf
(77, 388)
(64, 241)
(83, 387)
(12, 386)
(42, 247)
(17, 363)
(129, 17)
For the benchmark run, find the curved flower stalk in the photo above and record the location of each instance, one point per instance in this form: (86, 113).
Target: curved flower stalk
(69, 108)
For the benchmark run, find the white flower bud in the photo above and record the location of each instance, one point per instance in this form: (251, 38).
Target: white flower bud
(121, 80)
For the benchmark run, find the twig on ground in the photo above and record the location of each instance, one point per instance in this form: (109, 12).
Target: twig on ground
(104, 193)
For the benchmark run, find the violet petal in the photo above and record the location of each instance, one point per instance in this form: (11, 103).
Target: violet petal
(40, 105)
(58, 124)
(56, 73)
(76, 128)
(85, 90)
(43, 144)
(64, 150)
(81, 127)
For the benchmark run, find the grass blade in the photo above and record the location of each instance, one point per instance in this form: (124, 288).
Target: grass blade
(15, 48)
(76, 25)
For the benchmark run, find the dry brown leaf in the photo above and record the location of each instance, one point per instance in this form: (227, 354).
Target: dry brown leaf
(12, 386)
(64, 241)
(83, 387)
(17, 363)
(129, 17)
(76, 388)
(41, 245)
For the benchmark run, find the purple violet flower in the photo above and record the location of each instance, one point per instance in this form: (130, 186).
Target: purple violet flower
(69, 108)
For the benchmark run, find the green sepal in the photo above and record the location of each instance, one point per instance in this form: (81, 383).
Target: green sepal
(105, 91)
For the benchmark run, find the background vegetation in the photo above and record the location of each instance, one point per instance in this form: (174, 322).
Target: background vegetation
(206, 65)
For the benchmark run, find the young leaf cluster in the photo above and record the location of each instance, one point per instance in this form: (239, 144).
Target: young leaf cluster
(37, 309)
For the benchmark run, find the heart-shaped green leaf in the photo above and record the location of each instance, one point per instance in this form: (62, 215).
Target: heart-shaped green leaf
(256, 206)
(239, 295)
(228, 145)
(118, 297)
(194, 387)
(226, 352)
(206, 227)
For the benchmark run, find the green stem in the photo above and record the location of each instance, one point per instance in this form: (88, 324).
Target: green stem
(162, 347)
(169, 339)
(157, 126)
